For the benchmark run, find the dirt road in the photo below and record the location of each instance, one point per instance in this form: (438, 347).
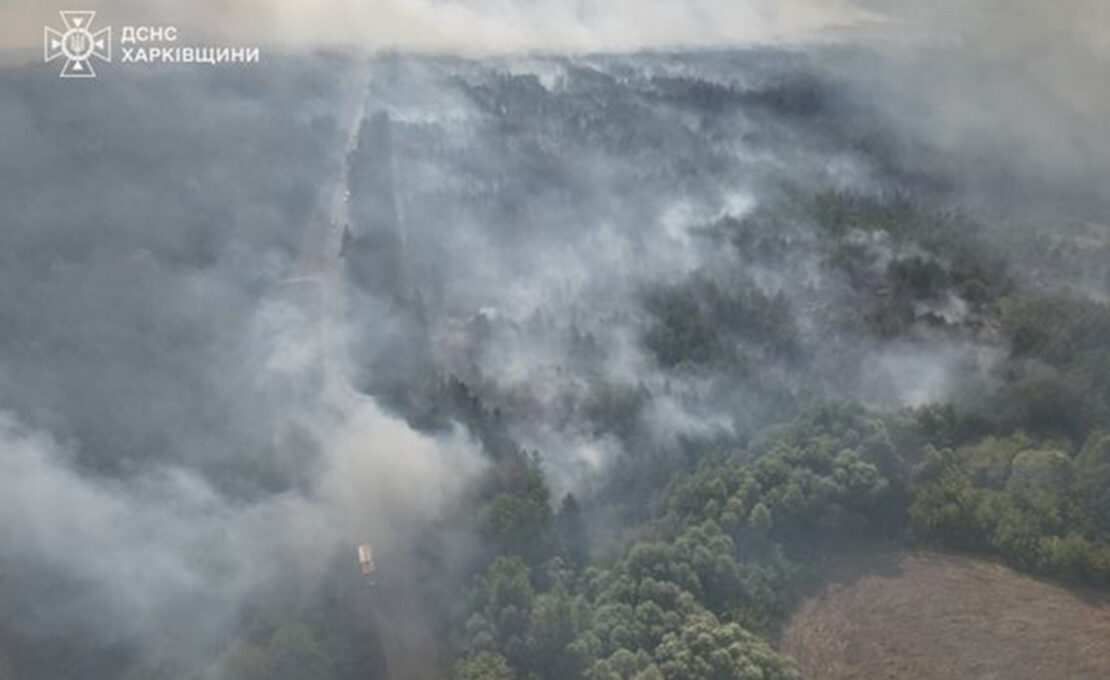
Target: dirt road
(319, 286)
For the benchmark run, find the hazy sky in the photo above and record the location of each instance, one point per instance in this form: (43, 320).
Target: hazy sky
(466, 25)
(1004, 28)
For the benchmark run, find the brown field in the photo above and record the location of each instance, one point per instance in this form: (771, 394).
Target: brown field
(926, 616)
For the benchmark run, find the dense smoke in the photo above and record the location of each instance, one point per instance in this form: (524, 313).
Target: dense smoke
(173, 434)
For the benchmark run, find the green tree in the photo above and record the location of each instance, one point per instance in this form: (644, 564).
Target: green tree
(1092, 482)
(706, 649)
(483, 666)
(243, 661)
(554, 625)
(294, 653)
(574, 544)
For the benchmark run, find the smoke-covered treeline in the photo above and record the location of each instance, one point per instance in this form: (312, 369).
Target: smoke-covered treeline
(687, 249)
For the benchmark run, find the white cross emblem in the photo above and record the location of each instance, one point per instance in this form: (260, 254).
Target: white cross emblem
(77, 44)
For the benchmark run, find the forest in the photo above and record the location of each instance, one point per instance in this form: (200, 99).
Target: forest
(614, 358)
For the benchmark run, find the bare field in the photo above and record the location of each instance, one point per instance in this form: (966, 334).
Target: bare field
(928, 616)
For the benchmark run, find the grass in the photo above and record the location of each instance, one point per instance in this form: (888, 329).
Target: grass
(929, 616)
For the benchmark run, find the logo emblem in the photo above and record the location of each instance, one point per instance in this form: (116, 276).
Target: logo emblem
(78, 44)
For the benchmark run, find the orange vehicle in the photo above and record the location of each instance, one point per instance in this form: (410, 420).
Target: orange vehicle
(366, 559)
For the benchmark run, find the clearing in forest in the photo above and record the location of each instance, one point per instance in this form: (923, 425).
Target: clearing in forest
(927, 616)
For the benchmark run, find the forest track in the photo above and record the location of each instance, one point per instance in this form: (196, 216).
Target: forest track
(319, 286)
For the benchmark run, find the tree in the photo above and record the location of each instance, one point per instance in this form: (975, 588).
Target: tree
(294, 653)
(706, 649)
(1092, 482)
(574, 544)
(554, 625)
(483, 666)
(759, 520)
(243, 661)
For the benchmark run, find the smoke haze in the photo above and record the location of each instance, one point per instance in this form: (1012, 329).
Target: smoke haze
(200, 398)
